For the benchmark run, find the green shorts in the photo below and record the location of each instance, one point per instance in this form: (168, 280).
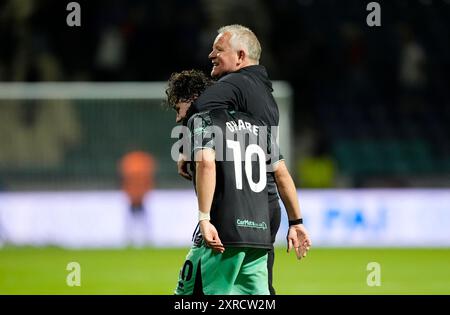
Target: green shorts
(239, 270)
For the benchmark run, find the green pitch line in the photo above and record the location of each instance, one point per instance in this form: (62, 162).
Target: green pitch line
(155, 271)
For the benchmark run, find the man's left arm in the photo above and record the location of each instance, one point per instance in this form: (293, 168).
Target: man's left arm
(297, 234)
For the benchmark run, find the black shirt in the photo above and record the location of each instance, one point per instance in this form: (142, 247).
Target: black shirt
(247, 90)
(239, 209)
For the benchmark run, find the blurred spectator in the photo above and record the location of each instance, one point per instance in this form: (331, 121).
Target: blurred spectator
(110, 57)
(137, 169)
(412, 74)
(317, 169)
(316, 172)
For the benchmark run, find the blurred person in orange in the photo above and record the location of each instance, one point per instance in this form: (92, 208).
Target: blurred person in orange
(137, 169)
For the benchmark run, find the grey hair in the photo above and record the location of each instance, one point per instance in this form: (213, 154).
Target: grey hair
(243, 38)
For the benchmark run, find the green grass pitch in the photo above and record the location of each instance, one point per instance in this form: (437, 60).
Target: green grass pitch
(155, 271)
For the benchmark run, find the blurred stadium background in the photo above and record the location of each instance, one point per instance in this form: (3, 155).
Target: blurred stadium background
(365, 126)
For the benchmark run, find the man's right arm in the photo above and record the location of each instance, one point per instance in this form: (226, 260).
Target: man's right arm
(205, 185)
(203, 151)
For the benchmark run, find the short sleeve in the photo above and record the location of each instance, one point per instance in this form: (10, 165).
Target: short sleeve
(200, 126)
(274, 154)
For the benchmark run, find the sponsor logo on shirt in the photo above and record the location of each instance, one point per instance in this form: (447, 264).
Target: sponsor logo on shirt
(251, 224)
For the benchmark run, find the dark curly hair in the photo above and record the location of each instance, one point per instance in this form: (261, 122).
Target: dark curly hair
(185, 85)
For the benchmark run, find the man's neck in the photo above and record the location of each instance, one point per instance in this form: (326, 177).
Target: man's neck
(242, 67)
(247, 64)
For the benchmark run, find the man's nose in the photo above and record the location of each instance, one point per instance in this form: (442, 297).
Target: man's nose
(212, 55)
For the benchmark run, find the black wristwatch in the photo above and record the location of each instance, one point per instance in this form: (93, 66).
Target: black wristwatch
(295, 222)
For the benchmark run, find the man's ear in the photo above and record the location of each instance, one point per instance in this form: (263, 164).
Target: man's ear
(241, 56)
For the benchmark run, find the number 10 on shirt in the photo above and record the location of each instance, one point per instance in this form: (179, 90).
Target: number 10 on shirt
(249, 151)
